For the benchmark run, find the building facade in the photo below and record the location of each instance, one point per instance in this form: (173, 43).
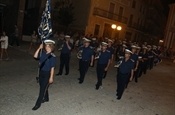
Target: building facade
(141, 20)
(136, 17)
(169, 39)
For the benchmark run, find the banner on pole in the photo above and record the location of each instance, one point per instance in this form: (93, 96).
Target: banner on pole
(45, 27)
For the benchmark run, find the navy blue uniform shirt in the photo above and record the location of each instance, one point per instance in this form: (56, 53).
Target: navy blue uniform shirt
(104, 57)
(134, 57)
(65, 49)
(87, 53)
(111, 49)
(51, 62)
(126, 66)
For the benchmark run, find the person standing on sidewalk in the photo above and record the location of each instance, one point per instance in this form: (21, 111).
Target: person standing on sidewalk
(102, 63)
(125, 72)
(65, 55)
(47, 61)
(34, 40)
(15, 37)
(4, 45)
(87, 58)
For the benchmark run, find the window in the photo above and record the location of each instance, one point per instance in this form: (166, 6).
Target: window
(133, 4)
(97, 29)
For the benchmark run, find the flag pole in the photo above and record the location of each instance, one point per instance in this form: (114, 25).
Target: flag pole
(45, 27)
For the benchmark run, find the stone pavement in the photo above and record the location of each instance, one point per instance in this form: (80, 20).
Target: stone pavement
(154, 94)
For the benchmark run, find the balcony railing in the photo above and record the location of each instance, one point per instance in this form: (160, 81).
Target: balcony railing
(108, 15)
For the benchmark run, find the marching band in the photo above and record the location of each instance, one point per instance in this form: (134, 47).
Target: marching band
(131, 61)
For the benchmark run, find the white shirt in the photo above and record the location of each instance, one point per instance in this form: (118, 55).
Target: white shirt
(4, 40)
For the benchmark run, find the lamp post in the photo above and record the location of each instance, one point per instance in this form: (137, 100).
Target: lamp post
(115, 27)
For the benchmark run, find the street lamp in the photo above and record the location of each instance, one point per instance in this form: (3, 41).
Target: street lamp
(115, 27)
(119, 28)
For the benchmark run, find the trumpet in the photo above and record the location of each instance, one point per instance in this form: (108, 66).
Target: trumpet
(79, 54)
(61, 47)
(118, 63)
(98, 52)
(97, 55)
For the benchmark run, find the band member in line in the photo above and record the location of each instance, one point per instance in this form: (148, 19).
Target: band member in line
(47, 61)
(125, 72)
(102, 63)
(87, 58)
(111, 49)
(65, 55)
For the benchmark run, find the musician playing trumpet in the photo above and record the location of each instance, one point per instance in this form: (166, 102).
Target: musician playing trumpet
(65, 56)
(103, 63)
(86, 57)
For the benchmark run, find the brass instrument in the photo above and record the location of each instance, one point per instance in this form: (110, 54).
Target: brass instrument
(98, 52)
(79, 54)
(117, 65)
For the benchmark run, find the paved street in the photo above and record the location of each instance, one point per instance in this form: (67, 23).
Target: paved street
(154, 94)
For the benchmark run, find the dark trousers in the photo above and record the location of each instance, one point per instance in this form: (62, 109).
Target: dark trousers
(100, 72)
(64, 61)
(144, 67)
(44, 84)
(15, 39)
(84, 65)
(150, 63)
(104, 75)
(122, 80)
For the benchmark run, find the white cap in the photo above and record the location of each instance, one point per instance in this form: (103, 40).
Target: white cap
(154, 46)
(49, 42)
(138, 47)
(149, 46)
(145, 47)
(109, 40)
(124, 45)
(104, 44)
(67, 36)
(133, 46)
(86, 40)
(128, 51)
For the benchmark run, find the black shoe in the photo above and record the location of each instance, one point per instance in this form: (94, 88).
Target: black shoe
(45, 100)
(117, 94)
(36, 107)
(80, 82)
(118, 98)
(66, 73)
(97, 87)
(58, 74)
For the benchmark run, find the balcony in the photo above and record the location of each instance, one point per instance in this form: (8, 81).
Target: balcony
(108, 15)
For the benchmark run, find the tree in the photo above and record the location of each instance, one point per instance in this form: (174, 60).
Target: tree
(63, 12)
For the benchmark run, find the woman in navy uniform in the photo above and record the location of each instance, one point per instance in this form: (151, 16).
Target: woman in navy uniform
(125, 72)
(111, 50)
(144, 60)
(150, 57)
(87, 58)
(102, 64)
(134, 58)
(47, 61)
(65, 55)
